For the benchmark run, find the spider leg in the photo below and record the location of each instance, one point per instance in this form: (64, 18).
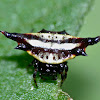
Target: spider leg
(61, 72)
(34, 77)
(66, 70)
(35, 64)
(63, 76)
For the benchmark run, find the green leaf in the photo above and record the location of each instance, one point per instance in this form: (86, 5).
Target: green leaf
(16, 81)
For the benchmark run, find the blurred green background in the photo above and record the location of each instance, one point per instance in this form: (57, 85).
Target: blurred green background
(22, 16)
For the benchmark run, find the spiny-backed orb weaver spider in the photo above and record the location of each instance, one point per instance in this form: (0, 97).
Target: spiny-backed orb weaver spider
(51, 50)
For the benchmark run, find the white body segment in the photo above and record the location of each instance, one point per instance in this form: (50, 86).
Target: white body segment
(50, 59)
(47, 57)
(50, 45)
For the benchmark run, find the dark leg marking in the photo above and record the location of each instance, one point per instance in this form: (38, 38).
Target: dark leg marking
(35, 62)
(66, 70)
(34, 77)
(63, 76)
(61, 72)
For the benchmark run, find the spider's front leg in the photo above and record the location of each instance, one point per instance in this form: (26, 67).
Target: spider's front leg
(35, 71)
(63, 67)
(34, 77)
(66, 70)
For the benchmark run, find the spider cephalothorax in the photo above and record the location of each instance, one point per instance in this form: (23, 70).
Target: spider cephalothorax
(51, 49)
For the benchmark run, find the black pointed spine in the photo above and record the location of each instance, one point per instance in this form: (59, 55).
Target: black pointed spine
(14, 36)
(92, 41)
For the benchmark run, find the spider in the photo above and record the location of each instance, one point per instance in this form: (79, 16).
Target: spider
(51, 50)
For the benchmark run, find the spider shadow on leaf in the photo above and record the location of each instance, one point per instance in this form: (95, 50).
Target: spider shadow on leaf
(23, 61)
